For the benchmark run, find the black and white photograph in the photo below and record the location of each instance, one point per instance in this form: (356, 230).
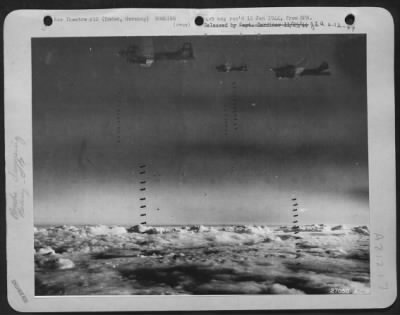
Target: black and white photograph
(200, 165)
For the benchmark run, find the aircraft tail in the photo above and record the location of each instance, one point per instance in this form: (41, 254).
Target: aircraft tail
(187, 51)
(324, 66)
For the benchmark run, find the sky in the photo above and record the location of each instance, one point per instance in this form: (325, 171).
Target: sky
(218, 148)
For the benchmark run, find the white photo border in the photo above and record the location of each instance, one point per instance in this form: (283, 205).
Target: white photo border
(23, 25)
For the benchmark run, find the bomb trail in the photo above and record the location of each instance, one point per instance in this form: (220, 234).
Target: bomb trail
(143, 189)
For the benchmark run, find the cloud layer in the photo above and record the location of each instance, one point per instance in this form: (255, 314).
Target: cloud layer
(201, 260)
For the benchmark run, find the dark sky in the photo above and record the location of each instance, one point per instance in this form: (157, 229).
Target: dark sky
(218, 147)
